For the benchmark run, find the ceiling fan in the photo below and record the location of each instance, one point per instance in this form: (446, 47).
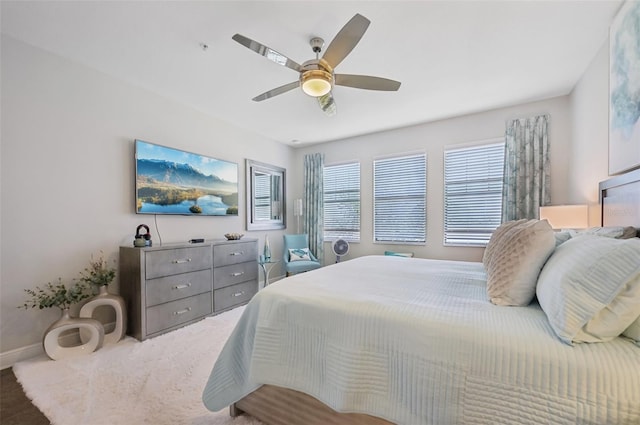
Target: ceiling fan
(317, 77)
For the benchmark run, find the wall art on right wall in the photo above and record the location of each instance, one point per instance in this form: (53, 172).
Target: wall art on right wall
(624, 89)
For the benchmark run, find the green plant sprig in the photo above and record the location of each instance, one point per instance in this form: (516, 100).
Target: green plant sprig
(55, 295)
(98, 273)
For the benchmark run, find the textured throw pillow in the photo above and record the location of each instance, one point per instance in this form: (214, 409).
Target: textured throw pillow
(299, 254)
(590, 288)
(495, 237)
(516, 261)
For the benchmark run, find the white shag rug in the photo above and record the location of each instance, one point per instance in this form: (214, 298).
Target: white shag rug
(158, 381)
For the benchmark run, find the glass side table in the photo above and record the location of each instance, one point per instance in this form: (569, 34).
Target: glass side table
(266, 266)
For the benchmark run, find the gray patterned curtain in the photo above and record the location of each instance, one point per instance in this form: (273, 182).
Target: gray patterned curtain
(313, 200)
(527, 180)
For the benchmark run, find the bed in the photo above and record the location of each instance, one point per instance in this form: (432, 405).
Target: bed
(379, 340)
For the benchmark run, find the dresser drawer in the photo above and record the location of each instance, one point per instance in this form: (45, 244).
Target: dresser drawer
(231, 295)
(233, 253)
(170, 288)
(234, 273)
(178, 260)
(175, 313)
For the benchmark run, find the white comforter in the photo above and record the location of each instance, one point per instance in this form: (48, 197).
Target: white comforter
(415, 341)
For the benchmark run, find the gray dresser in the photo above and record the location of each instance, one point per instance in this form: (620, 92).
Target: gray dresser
(171, 286)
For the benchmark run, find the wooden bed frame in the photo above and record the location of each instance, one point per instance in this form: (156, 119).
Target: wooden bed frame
(620, 206)
(620, 200)
(282, 406)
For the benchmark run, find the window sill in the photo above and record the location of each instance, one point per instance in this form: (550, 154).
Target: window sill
(466, 245)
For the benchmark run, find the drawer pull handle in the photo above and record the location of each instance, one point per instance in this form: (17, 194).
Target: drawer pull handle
(182, 286)
(237, 294)
(237, 274)
(237, 253)
(186, 310)
(182, 261)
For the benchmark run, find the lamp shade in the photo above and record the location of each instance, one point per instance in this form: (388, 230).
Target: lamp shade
(297, 207)
(566, 216)
(316, 83)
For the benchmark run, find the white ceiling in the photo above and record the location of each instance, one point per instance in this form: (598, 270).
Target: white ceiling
(452, 57)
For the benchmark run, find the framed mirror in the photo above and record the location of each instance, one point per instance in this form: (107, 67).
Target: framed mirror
(266, 207)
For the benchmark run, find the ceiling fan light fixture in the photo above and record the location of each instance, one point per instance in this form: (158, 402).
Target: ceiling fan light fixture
(316, 82)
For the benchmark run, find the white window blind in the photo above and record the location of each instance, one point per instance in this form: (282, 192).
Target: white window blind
(342, 202)
(399, 199)
(473, 179)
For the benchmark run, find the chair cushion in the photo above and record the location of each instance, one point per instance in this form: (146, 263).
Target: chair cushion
(301, 266)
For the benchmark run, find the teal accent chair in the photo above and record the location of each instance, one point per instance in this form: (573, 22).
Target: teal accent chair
(298, 242)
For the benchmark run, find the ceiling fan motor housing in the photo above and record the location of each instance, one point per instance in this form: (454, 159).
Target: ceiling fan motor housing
(316, 79)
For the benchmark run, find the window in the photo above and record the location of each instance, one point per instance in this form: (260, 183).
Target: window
(342, 202)
(399, 199)
(473, 193)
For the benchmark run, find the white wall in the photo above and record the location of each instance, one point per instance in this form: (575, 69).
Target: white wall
(67, 170)
(590, 127)
(67, 175)
(432, 138)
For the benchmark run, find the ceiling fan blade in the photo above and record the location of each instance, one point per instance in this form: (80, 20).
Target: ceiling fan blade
(366, 82)
(267, 52)
(278, 90)
(327, 104)
(344, 42)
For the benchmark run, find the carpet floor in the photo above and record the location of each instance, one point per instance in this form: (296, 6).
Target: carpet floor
(158, 381)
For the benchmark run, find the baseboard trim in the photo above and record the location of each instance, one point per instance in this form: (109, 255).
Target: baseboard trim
(11, 357)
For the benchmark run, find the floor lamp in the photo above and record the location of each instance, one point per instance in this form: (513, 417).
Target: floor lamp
(297, 212)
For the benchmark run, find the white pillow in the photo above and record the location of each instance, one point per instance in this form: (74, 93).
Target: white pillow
(633, 331)
(299, 254)
(590, 288)
(561, 237)
(516, 261)
(618, 232)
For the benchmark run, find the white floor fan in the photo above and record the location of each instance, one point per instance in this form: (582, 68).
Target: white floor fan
(340, 248)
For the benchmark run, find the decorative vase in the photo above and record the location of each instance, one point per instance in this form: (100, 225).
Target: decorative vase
(267, 249)
(104, 298)
(92, 328)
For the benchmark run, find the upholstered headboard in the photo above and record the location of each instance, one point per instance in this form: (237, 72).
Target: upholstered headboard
(620, 200)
